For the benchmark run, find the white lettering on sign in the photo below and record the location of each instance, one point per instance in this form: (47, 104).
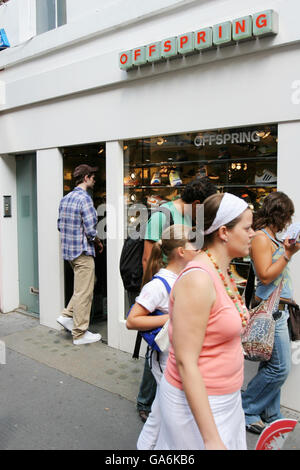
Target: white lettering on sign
(254, 26)
(222, 139)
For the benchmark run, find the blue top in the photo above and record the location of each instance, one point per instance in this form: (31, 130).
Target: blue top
(264, 291)
(77, 223)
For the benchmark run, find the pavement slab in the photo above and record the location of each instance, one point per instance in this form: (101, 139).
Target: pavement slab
(61, 396)
(45, 409)
(96, 363)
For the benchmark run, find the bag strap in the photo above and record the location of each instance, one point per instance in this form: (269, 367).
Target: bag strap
(275, 297)
(164, 282)
(249, 289)
(137, 346)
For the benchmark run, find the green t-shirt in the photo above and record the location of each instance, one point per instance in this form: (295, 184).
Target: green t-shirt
(157, 222)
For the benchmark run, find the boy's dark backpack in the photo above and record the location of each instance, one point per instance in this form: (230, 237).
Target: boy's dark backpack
(131, 267)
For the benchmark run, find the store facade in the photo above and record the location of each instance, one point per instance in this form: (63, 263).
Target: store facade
(230, 112)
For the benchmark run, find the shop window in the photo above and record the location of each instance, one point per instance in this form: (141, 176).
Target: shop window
(242, 161)
(50, 14)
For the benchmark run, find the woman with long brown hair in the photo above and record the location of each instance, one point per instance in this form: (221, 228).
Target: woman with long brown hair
(261, 400)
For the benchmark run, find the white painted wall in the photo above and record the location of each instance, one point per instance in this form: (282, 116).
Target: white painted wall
(77, 9)
(94, 60)
(51, 276)
(91, 66)
(219, 95)
(9, 286)
(115, 229)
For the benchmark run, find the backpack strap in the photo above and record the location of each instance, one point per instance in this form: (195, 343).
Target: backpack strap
(164, 282)
(137, 346)
(138, 340)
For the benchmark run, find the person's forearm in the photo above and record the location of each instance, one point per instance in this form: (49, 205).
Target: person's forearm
(273, 271)
(197, 398)
(146, 322)
(148, 245)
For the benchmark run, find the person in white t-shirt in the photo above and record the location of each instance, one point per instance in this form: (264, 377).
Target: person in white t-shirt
(178, 250)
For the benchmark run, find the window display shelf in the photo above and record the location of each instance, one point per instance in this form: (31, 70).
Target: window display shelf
(219, 186)
(246, 185)
(156, 186)
(201, 162)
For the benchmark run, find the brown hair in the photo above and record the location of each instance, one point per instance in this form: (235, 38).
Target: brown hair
(277, 211)
(173, 237)
(211, 206)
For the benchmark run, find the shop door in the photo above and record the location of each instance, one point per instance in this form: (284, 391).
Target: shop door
(27, 232)
(93, 155)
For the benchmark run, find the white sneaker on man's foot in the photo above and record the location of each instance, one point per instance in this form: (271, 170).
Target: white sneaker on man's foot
(87, 338)
(66, 322)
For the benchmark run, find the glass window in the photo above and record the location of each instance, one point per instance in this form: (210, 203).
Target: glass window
(50, 14)
(242, 161)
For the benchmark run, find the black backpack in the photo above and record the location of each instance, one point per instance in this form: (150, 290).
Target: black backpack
(131, 267)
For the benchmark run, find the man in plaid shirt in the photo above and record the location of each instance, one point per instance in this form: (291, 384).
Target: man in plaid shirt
(77, 225)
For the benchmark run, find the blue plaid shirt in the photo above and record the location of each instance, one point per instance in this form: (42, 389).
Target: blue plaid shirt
(77, 223)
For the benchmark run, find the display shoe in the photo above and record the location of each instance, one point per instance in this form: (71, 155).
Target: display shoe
(213, 177)
(155, 201)
(267, 176)
(133, 179)
(155, 178)
(238, 279)
(87, 338)
(201, 172)
(66, 322)
(164, 175)
(175, 179)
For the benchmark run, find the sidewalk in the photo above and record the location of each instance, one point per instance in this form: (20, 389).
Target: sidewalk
(59, 396)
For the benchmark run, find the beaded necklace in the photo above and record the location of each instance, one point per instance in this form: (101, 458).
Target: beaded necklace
(235, 296)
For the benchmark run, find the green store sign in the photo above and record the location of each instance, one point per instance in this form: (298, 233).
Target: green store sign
(246, 28)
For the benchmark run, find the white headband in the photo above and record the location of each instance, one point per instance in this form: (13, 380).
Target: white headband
(231, 207)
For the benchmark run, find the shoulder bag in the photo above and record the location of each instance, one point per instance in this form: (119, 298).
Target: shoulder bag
(258, 337)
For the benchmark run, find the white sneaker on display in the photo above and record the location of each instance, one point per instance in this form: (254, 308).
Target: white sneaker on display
(87, 338)
(266, 177)
(66, 322)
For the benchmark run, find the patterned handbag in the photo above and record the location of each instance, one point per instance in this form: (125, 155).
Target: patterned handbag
(258, 337)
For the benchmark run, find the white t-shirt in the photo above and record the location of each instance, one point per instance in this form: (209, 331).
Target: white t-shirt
(154, 295)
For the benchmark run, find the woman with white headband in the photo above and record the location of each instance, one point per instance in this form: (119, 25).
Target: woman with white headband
(199, 395)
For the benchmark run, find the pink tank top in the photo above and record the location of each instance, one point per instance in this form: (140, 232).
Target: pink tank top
(221, 361)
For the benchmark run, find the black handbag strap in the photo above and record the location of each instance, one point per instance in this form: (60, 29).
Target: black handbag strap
(249, 289)
(137, 347)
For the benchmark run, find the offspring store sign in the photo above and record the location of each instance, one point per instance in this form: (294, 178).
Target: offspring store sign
(248, 27)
